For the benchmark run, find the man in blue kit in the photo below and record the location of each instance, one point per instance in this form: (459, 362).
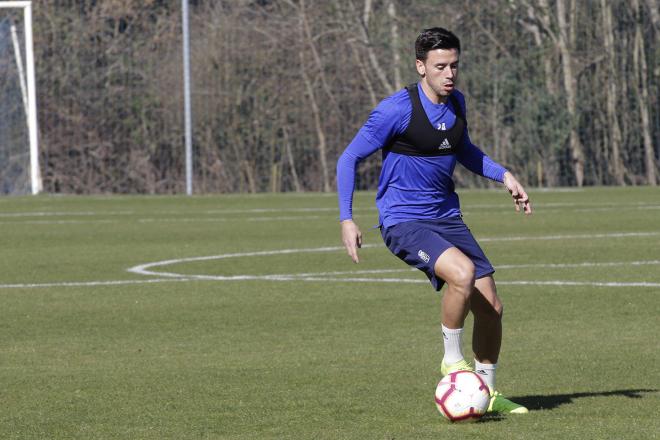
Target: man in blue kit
(422, 132)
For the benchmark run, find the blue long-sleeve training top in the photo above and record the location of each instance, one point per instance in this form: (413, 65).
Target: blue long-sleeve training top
(410, 187)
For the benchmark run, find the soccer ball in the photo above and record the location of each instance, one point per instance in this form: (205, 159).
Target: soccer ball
(462, 396)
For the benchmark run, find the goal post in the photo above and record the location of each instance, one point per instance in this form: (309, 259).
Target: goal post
(19, 70)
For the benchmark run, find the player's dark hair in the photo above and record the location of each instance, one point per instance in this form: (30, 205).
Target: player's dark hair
(435, 38)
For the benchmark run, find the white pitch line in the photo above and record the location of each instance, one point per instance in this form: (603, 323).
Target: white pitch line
(91, 283)
(497, 267)
(63, 213)
(166, 220)
(295, 277)
(230, 219)
(169, 220)
(143, 269)
(146, 269)
(315, 278)
(46, 215)
(579, 283)
(577, 265)
(511, 283)
(312, 279)
(581, 206)
(571, 236)
(56, 222)
(352, 272)
(273, 210)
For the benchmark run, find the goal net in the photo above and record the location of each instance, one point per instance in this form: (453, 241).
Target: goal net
(19, 170)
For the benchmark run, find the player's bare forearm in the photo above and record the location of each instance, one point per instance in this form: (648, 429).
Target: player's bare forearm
(518, 193)
(352, 238)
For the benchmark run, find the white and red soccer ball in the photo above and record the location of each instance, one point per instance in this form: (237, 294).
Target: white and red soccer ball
(462, 396)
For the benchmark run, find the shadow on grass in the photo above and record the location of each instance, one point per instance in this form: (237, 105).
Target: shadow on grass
(490, 417)
(536, 403)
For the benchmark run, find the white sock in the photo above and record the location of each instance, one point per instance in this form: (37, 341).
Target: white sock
(452, 339)
(486, 372)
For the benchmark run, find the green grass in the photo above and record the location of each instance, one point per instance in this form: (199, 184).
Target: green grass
(272, 359)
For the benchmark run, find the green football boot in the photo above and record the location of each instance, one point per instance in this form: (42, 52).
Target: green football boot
(502, 405)
(456, 366)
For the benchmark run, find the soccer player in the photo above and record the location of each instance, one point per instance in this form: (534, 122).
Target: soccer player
(422, 131)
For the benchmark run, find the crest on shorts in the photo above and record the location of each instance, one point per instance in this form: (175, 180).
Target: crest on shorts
(424, 256)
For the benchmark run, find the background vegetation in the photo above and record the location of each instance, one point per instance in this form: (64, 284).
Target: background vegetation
(564, 92)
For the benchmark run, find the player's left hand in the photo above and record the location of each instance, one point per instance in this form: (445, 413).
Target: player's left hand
(520, 198)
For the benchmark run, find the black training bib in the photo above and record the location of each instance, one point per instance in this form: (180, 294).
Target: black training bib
(421, 138)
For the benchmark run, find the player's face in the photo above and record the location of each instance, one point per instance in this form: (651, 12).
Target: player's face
(439, 72)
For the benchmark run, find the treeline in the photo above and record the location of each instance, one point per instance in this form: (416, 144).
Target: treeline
(564, 92)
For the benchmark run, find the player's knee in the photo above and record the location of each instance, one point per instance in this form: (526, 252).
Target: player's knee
(463, 275)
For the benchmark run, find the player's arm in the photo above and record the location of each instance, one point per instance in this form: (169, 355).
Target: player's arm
(384, 122)
(520, 198)
(475, 160)
(352, 239)
(356, 151)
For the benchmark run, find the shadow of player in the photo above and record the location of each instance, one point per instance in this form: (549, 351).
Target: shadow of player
(539, 402)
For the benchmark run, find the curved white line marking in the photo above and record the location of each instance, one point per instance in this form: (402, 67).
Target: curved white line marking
(333, 277)
(144, 269)
(148, 268)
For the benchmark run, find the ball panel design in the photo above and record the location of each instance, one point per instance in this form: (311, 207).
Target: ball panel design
(462, 395)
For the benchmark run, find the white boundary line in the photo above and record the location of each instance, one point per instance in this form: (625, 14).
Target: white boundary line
(63, 213)
(467, 208)
(296, 277)
(576, 265)
(144, 269)
(161, 277)
(167, 220)
(147, 269)
(92, 283)
(571, 236)
(26, 220)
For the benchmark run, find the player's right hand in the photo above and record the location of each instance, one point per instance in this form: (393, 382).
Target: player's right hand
(352, 238)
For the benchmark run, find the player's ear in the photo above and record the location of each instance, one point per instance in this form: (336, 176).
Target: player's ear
(421, 68)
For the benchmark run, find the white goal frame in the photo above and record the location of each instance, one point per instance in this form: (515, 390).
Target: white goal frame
(29, 83)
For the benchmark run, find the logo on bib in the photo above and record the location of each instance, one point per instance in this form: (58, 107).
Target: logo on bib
(445, 145)
(424, 256)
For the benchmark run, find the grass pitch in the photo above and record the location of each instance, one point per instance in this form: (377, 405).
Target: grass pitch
(280, 336)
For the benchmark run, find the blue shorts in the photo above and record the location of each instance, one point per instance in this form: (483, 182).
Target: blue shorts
(420, 242)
